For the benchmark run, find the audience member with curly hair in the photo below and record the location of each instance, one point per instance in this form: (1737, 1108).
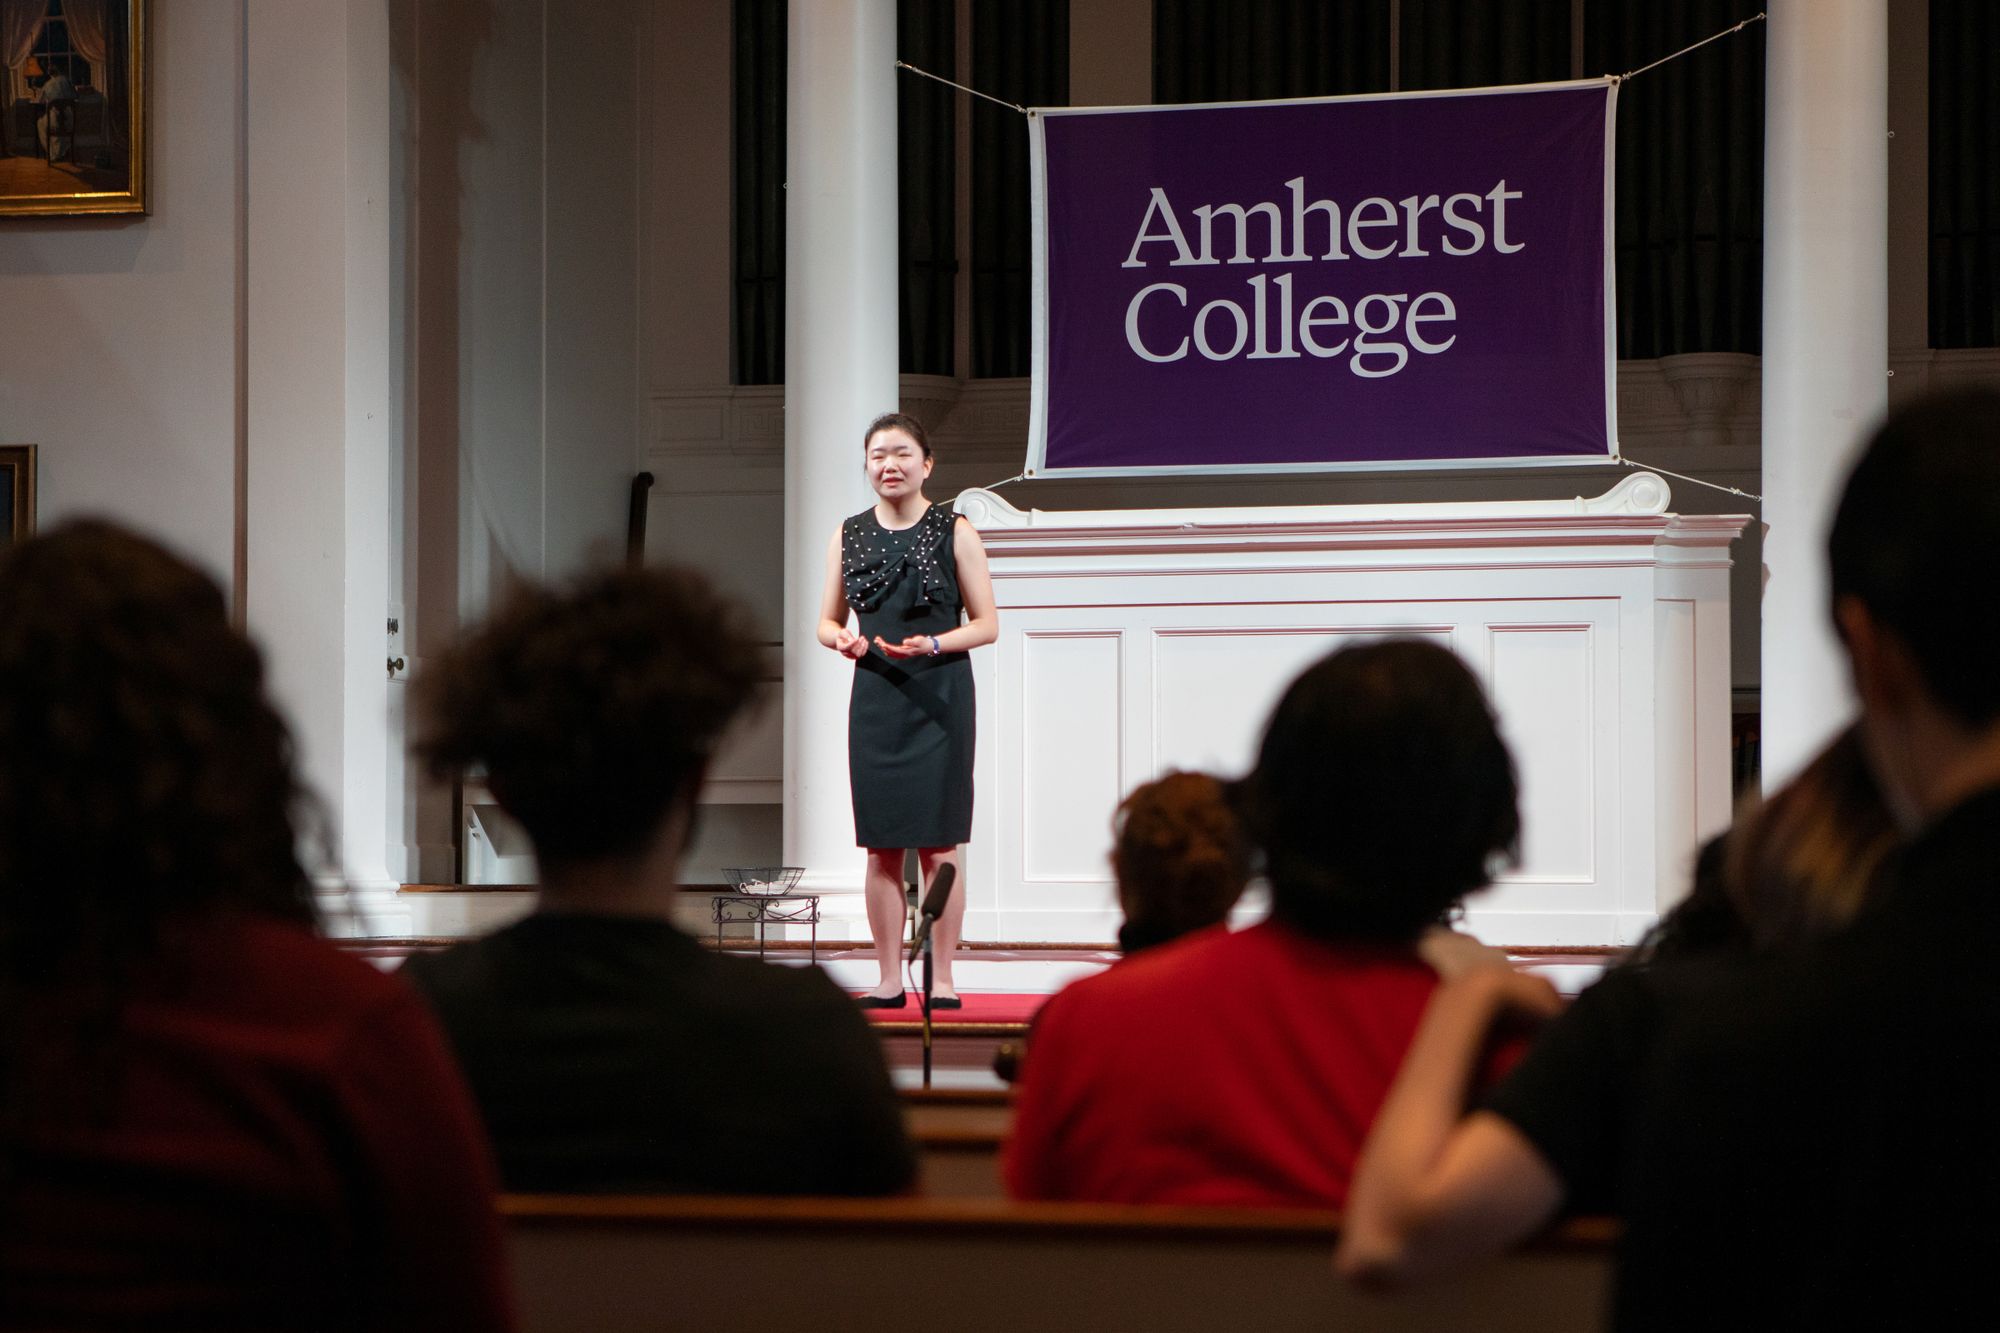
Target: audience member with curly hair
(1180, 858)
(209, 1118)
(1244, 1068)
(607, 1048)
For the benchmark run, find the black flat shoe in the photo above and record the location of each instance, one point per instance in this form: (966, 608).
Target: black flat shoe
(947, 1002)
(900, 999)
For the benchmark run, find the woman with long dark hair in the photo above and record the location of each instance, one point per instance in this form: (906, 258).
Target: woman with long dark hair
(209, 1118)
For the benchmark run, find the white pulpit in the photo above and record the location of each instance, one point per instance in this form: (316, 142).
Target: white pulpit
(1136, 641)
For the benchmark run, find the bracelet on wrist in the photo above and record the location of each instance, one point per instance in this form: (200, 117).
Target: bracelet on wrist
(934, 645)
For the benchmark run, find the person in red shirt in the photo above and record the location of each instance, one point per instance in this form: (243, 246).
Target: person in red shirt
(1245, 1068)
(209, 1117)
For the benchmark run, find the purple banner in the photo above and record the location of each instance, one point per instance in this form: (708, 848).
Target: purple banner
(1418, 280)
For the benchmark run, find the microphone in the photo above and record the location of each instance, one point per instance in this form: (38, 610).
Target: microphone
(933, 908)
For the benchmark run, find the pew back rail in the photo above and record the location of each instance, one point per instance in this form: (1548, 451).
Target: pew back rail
(974, 1265)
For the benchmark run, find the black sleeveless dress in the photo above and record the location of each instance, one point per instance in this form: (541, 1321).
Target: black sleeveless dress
(909, 721)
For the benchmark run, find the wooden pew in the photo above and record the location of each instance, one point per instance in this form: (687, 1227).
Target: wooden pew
(618, 1265)
(958, 1133)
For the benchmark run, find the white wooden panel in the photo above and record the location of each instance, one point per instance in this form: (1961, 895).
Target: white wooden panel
(1552, 604)
(1215, 687)
(1675, 710)
(748, 768)
(1072, 697)
(1543, 687)
(737, 540)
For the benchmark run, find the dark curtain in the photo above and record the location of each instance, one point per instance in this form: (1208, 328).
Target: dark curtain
(758, 148)
(927, 191)
(118, 71)
(1246, 50)
(1482, 43)
(1690, 174)
(1964, 174)
(1020, 52)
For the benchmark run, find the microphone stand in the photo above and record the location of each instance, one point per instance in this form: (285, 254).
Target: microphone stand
(934, 905)
(924, 1004)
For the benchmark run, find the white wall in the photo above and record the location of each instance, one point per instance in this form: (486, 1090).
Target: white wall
(376, 343)
(122, 361)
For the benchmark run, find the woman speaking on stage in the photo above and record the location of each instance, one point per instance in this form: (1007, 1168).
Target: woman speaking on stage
(914, 575)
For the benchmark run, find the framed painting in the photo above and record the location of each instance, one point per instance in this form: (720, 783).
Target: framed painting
(72, 107)
(17, 493)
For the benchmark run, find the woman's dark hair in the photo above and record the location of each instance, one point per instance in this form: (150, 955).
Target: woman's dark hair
(901, 421)
(1180, 856)
(144, 777)
(1791, 870)
(1381, 792)
(1704, 923)
(592, 708)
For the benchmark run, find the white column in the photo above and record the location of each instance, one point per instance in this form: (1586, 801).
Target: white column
(1825, 337)
(840, 371)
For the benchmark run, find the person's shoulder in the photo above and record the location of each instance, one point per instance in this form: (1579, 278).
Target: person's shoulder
(749, 988)
(1163, 967)
(465, 963)
(443, 973)
(1761, 1012)
(797, 1018)
(295, 958)
(277, 989)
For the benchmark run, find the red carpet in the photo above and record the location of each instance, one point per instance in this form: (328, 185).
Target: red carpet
(978, 1009)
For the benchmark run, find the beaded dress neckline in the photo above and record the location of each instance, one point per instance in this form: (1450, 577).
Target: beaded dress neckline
(871, 563)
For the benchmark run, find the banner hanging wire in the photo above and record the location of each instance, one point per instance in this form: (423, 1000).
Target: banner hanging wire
(1758, 17)
(939, 78)
(1682, 476)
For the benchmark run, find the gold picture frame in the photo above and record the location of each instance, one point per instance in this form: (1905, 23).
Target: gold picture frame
(17, 493)
(73, 110)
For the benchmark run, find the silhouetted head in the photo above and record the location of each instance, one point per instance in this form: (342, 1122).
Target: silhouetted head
(1917, 526)
(1381, 793)
(144, 776)
(1916, 534)
(593, 709)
